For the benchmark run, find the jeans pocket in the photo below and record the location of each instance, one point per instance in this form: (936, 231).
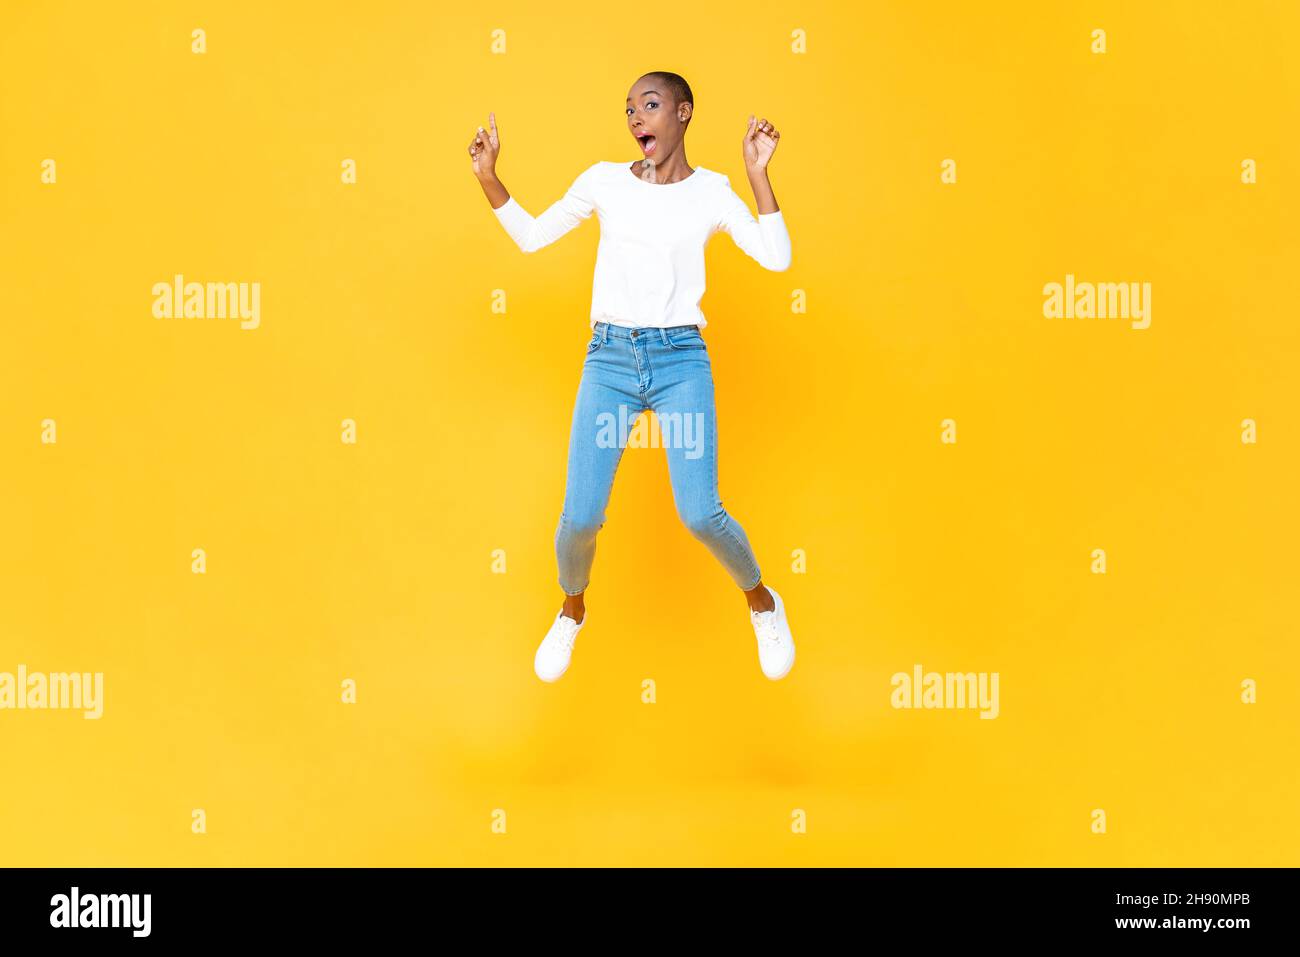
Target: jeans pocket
(595, 343)
(690, 339)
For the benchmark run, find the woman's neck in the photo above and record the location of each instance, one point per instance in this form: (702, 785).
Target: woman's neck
(672, 169)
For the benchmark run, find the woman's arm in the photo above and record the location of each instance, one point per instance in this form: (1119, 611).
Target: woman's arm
(762, 188)
(493, 189)
(529, 233)
(765, 239)
(532, 233)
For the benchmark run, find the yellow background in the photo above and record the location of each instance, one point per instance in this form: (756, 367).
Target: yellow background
(373, 562)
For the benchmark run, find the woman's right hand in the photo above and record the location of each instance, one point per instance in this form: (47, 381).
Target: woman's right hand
(484, 148)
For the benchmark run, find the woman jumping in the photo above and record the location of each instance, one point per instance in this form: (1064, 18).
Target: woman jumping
(646, 351)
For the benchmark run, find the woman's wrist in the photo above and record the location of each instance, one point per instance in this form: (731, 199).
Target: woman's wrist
(762, 187)
(495, 191)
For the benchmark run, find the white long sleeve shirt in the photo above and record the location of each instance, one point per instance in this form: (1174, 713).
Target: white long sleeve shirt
(650, 260)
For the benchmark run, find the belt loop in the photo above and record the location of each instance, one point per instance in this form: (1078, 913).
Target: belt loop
(663, 335)
(604, 333)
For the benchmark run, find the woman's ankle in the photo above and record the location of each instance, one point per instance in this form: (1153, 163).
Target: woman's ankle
(574, 607)
(760, 599)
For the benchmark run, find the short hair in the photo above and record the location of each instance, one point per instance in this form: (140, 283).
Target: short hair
(681, 90)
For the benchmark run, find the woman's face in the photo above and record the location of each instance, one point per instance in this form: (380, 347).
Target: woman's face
(654, 118)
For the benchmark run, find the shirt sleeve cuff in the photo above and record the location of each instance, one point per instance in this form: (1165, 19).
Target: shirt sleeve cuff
(514, 219)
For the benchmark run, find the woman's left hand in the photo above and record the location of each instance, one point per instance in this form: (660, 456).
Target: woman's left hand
(760, 143)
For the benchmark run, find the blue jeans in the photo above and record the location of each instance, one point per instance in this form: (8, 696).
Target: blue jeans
(626, 372)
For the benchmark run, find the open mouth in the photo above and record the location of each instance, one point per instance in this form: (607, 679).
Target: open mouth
(647, 141)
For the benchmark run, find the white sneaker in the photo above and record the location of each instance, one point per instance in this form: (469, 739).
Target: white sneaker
(552, 658)
(775, 645)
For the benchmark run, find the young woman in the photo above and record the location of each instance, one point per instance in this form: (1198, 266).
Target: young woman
(646, 351)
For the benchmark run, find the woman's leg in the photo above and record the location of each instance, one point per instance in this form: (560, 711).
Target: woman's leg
(595, 449)
(683, 401)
